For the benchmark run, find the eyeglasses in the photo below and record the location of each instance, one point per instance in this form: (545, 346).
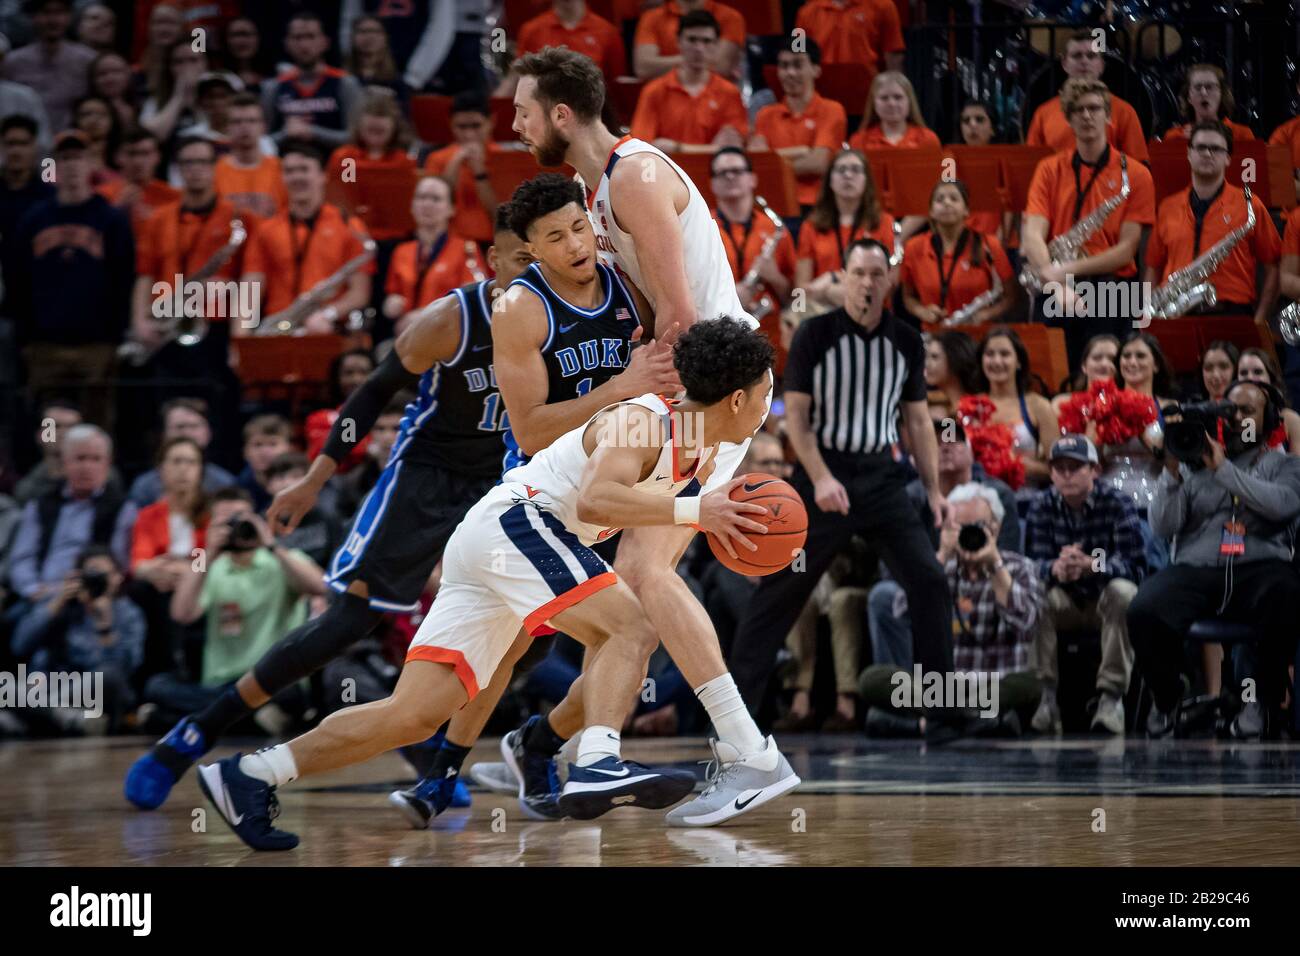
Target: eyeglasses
(1207, 150)
(734, 173)
(849, 170)
(1204, 87)
(1091, 108)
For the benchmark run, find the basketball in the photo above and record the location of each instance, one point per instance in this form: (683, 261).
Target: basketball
(786, 520)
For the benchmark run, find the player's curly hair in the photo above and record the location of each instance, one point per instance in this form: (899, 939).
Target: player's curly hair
(543, 194)
(715, 357)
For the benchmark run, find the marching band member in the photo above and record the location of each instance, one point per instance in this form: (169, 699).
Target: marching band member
(1206, 97)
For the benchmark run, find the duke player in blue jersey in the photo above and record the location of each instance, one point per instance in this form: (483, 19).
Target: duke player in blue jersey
(447, 455)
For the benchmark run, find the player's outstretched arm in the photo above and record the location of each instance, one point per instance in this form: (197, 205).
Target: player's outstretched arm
(519, 331)
(432, 336)
(646, 184)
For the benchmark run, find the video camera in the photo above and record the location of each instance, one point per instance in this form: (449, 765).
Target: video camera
(1185, 438)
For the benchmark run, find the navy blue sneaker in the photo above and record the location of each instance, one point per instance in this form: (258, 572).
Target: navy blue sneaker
(428, 798)
(610, 782)
(151, 777)
(246, 804)
(538, 784)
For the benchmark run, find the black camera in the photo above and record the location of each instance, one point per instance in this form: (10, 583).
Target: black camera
(972, 537)
(1185, 439)
(244, 535)
(94, 583)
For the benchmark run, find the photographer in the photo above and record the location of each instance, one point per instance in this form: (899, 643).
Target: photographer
(1086, 540)
(996, 604)
(251, 589)
(1231, 509)
(88, 626)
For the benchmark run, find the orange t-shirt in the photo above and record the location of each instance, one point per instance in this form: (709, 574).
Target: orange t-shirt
(255, 189)
(920, 271)
(658, 27)
(1288, 134)
(735, 239)
(292, 257)
(1173, 241)
(666, 109)
(825, 247)
(822, 123)
(1239, 131)
(419, 280)
(180, 241)
(1291, 236)
(470, 219)
(843, 31)
(153, 197)
(592, 35)
(1053, 193)
(1049, 127)
(873, 137)
(987, 222)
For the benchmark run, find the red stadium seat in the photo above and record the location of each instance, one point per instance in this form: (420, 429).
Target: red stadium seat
(503, 117)
(381, 198)
(1272, 181)
(624, 93)
(1018, 165)
(507, 170)
(1240, 330)
(910, 175)
(762, 17)
(431, 117)
(775, 179)
(1046, 348)
(980, 168)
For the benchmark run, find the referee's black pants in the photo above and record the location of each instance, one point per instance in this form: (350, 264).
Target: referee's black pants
(880, 512)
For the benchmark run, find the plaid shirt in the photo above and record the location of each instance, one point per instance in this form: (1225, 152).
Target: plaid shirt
(985, 635)
(1108, 523)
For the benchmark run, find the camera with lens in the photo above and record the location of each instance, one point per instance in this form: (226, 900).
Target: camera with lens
(94, 583)
(972, 537)
(244, 535)
(1185, 438)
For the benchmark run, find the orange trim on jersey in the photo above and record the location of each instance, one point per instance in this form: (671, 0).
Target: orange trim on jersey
(672, 435)
(591, 194)
(566, 600)
(453, 659)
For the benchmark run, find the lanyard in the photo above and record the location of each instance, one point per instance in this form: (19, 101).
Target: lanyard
(423, 264)
(945, 281)
(198, 233)
(300, 254)
(748, 226)
(839, 242)
(1199, 211)
(1081, 193)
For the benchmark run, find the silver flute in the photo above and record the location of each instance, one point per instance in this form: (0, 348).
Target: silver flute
(1066, 246)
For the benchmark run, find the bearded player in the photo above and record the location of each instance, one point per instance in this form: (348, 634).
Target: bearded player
(654, 226)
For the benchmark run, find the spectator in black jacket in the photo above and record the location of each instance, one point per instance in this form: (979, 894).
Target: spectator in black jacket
(71, 294)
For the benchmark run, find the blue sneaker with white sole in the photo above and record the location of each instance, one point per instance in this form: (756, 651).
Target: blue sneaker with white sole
(428, 798)
(152, 776)
(610, 782)
(538, 784)
(246, 804)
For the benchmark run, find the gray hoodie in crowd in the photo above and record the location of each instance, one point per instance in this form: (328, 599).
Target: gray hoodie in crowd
(1194, 511)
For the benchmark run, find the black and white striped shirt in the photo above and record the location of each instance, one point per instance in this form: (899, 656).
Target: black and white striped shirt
(856, 378)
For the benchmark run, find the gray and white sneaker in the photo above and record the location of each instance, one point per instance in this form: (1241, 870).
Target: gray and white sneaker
(736, 783)
(495, 776)
(1110, 714)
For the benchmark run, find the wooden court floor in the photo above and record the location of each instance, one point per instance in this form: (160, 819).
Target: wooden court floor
(1035, 802)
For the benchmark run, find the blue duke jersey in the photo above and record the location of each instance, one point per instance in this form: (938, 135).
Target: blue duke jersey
(458, 419)
(584, 348)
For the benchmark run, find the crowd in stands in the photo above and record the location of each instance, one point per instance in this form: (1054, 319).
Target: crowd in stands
(181, 140)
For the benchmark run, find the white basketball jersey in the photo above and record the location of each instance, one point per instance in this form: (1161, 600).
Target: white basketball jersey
(708, 272)
(551, 477)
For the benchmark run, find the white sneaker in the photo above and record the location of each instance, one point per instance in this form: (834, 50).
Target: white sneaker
(737, 783)
(1047, 718)
(1110, 714)
(495, 776)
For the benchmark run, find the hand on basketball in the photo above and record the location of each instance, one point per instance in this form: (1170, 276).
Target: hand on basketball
(725, 519)
(291, 504)
(830, 495)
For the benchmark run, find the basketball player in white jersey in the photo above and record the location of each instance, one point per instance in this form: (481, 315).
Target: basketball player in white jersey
(523, 556)
(652, 223)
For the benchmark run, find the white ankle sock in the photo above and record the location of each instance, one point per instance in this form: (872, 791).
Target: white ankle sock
(272, 765)
(596, 744)
(729, 714)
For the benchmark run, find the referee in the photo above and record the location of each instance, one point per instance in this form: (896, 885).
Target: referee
(849, 373)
